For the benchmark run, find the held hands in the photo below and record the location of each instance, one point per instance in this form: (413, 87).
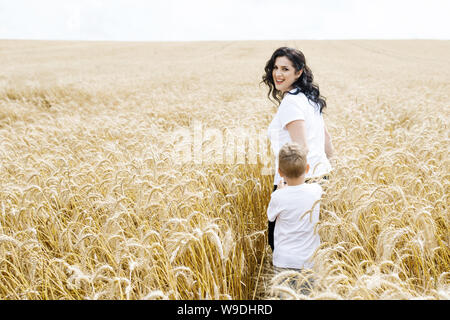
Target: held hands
(282, 184)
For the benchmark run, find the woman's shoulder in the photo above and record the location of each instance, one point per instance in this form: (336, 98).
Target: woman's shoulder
(295, 98)
(295, 93)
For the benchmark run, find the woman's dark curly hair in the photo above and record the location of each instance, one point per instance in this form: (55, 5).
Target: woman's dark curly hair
(303, 84)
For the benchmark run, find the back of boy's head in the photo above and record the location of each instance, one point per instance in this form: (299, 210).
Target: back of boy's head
(292, 160)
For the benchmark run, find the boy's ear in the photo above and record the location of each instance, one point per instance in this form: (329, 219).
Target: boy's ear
(307, 168)
(281, 173)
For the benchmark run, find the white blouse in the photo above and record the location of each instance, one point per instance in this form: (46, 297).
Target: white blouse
(298, 107)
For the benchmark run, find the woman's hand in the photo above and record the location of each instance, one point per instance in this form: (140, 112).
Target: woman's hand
(282, 184)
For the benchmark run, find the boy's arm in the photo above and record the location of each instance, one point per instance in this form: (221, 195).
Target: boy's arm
(273, 210)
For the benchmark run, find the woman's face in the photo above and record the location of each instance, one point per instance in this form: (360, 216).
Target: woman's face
(284, 74)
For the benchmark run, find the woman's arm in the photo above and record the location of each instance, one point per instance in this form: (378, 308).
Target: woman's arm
(297, 131)
(328, 145)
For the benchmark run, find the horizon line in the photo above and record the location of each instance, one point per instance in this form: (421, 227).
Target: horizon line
(225, 40)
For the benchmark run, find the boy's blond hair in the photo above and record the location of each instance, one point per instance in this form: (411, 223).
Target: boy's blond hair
(292, 160)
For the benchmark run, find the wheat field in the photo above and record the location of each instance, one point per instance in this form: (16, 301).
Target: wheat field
(142, 171)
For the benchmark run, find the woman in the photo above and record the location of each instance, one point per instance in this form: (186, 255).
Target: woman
(299, 115)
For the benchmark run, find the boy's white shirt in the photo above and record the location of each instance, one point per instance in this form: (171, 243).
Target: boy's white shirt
(294, 237)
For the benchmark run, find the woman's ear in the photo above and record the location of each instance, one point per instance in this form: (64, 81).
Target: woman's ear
(307, 168)
(299, 73)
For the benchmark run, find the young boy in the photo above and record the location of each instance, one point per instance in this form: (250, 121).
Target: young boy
(295, 206)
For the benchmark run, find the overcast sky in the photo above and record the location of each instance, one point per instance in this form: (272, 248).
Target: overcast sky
(191, 20)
